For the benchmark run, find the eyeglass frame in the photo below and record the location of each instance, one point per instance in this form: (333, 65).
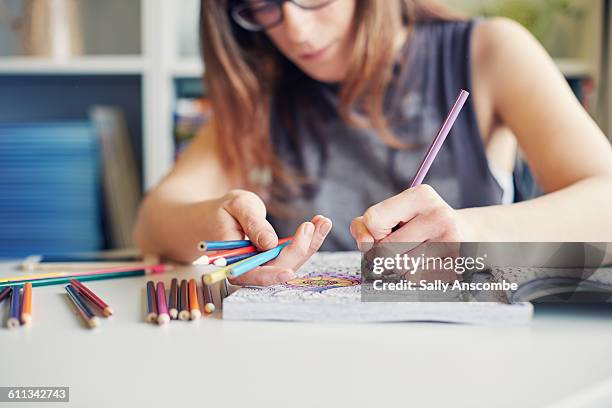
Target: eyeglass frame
(244, 24)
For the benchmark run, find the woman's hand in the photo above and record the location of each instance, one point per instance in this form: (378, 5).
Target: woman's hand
(420, 214)
(241, 213)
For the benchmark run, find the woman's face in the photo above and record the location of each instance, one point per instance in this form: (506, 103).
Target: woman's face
(317, 41)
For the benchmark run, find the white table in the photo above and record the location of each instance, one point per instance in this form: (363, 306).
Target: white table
(214, 363)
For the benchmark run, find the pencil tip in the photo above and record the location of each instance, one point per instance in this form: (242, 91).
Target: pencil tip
(220, 262)
(203, 260)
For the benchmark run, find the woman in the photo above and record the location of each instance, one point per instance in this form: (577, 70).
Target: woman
(327, 107)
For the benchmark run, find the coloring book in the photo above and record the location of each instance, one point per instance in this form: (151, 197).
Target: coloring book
(328, 289)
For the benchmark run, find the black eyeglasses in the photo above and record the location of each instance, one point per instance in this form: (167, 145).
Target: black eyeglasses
(259, 15)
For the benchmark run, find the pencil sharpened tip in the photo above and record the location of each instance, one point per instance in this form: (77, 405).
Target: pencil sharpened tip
(202, 246)
(209, 308)
(195, 314)
(220, 262)
(203, 260)
(94, 322)
(163, 319)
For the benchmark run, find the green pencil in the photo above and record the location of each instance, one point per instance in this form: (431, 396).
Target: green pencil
(83, 278)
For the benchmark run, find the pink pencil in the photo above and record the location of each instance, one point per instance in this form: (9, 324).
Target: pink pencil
(162, 307)
(434, 149)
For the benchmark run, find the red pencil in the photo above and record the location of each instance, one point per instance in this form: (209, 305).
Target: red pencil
(208, 259)
(92, 297)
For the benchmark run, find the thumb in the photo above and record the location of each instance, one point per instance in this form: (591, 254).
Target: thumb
(250, 212)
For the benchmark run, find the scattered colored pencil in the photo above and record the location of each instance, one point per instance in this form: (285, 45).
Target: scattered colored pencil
(173, 302)
(63, 277)
(151, 303)
(5, 293)
(251, 249)
(162, 307)
(439, 139)
(26, 306)
(13, 320)
(92, 297)
(88, 316)
(184, 306)
(209, 304)
(194, 304)
(217, 245)
(244, 266)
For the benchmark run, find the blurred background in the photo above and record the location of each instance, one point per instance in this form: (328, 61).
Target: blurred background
(98, 98)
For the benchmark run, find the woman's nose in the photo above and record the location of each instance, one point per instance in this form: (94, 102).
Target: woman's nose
(297, 22)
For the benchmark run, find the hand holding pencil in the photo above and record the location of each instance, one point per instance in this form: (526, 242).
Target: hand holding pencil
(417, 214)
(241, 213)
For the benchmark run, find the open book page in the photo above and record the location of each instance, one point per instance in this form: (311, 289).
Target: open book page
(538, 282)
(328, 288)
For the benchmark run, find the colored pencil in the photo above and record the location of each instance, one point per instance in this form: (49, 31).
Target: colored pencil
(79, 302)
(435, 146)
(82, 278)
(208, 259)
(5, 293)
(217, 245)
(173, 302)
(184, 306)
(194, 304)
(13, 320)
(244, 266)
(151, 303)
(26, 305)
(209, 304)
(159, 268)
(162, 307)
(92, 297)
(232, 259)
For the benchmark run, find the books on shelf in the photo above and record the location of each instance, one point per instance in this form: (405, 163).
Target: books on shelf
(189, 116)
(120, 181)
(49, 178)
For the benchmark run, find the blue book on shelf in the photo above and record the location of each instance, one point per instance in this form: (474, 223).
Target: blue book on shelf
(50, 188)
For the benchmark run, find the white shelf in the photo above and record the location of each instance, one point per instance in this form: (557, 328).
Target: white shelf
(88, 65)
(187, 68)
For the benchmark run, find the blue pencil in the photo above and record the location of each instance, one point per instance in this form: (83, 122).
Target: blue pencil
(233, 259)
(13, 320)
(246, 265)
(218, 245)
(79, 301)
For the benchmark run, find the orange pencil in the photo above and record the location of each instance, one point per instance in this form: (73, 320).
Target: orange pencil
(194, 305)
(26, 310)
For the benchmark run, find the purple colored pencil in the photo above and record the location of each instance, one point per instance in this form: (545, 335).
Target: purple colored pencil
(173, 300)
(13, 320)
(151, 303)
(5, 293)
(439, 139)
(162, 307)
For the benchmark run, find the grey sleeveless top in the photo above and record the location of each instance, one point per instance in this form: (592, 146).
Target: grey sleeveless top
(353, 168)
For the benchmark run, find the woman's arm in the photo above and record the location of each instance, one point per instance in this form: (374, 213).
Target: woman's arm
(566, 151)
(517, 82)
(197, 201)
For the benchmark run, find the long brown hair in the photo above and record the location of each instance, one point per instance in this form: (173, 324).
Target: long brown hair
(244, 69)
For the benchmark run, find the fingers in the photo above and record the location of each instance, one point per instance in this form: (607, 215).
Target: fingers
(250, 212)
(361, 234)
(381, 218)
(264, 276)
(307, 240)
